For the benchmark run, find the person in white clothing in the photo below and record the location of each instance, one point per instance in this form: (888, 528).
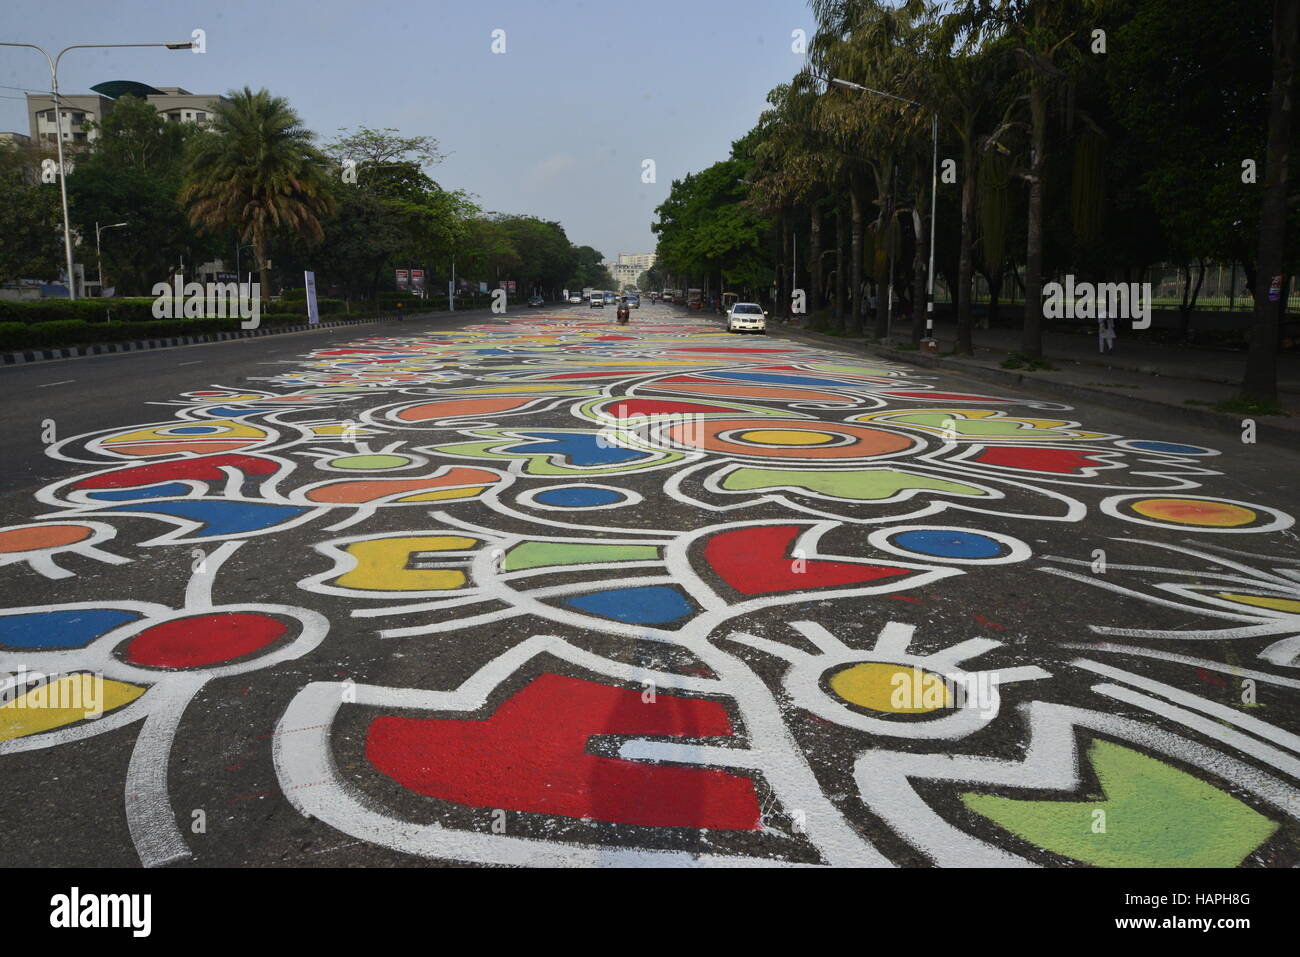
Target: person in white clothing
(1105, 330)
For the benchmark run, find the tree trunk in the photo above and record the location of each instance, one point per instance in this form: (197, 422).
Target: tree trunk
(840, 236)
(264, 272)
(918, 277)
(965, 270)
(787, 291)
(855, 268)
(1260, 380)
(1031, 341)
(815, 258)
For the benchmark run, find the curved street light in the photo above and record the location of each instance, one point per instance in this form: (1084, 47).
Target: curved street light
(98, 257)
(58, 124)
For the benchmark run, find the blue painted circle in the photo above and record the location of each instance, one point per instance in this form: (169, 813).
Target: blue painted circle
(1172, 448)
(575, 496)
(948, 544)
(194, 430)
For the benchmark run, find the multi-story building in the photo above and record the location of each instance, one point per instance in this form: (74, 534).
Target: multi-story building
(629, 266)
(78, 110)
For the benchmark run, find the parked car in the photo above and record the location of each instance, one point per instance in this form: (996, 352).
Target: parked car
(747, 317)
(536, 301)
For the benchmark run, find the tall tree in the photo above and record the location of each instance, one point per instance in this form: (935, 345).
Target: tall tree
(256, 169)
(1260, 380)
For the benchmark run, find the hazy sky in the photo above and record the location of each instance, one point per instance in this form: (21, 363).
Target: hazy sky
(557, 126)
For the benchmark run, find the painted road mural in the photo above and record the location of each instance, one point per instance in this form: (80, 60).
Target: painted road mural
(657, 595)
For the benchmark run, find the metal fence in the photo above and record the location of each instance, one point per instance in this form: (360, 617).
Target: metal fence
(1223, 288)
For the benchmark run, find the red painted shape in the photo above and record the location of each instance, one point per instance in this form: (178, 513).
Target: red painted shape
(1056, 461)
(531, 755)
(989, 624)
(203, 467)
(203, 640)
(626, 408)
(757, 561)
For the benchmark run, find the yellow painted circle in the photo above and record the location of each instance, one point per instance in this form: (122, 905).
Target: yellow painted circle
(891, 689)
(788, 437)
(1190, 511)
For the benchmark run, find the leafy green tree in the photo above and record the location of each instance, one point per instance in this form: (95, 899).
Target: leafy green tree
(132, 173)
(256, 169)
(31, 221)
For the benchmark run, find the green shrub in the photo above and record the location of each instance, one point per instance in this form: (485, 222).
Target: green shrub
(13, 336)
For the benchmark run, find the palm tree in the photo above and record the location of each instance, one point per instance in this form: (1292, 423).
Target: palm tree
(256, 170)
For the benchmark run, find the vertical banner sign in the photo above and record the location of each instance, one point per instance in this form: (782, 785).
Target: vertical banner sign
(403, 280)
(417, 281)
(313, 312)
(1275, 289)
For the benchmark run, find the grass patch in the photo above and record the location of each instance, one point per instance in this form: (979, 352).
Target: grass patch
(1196, 402)
(1248, 407)
(908, 347)
(1018, 360)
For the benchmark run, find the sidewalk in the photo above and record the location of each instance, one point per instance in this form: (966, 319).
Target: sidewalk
(1182, 362)
(1171, 382)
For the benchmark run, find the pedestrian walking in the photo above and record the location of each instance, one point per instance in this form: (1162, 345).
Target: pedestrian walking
(1105, 330)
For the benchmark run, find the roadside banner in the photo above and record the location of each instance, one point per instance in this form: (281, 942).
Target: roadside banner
(313, 312)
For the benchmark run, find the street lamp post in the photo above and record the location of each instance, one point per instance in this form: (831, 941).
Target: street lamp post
(98, 257)
(934, 191)
(58, 125)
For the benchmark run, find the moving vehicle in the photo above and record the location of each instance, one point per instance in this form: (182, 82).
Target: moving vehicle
(623, 312)
(694, 299)
(729, 299)
(634, 301)
(575, 299)
(536, 301)
(747, 317)
(597, 301)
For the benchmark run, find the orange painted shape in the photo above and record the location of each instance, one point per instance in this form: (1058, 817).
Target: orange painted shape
(452, 408)
(354, 492)
(1187, 511)
(46, 536)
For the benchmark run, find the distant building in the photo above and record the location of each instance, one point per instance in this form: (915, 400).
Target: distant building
(78, 110)
(629, 266)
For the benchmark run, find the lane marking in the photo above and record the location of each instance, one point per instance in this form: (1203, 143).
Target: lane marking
(60, 382)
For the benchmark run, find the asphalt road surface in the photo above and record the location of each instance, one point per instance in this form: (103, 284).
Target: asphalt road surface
(543, 589)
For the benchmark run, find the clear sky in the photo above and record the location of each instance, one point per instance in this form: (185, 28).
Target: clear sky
(557, 126)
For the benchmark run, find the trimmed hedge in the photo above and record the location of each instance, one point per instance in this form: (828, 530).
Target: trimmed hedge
(62, 333)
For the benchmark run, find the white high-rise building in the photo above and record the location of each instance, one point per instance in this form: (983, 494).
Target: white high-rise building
(629, 266)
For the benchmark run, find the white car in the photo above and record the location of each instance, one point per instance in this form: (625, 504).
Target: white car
(747, 317)
(597, 301)
(575, 299)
